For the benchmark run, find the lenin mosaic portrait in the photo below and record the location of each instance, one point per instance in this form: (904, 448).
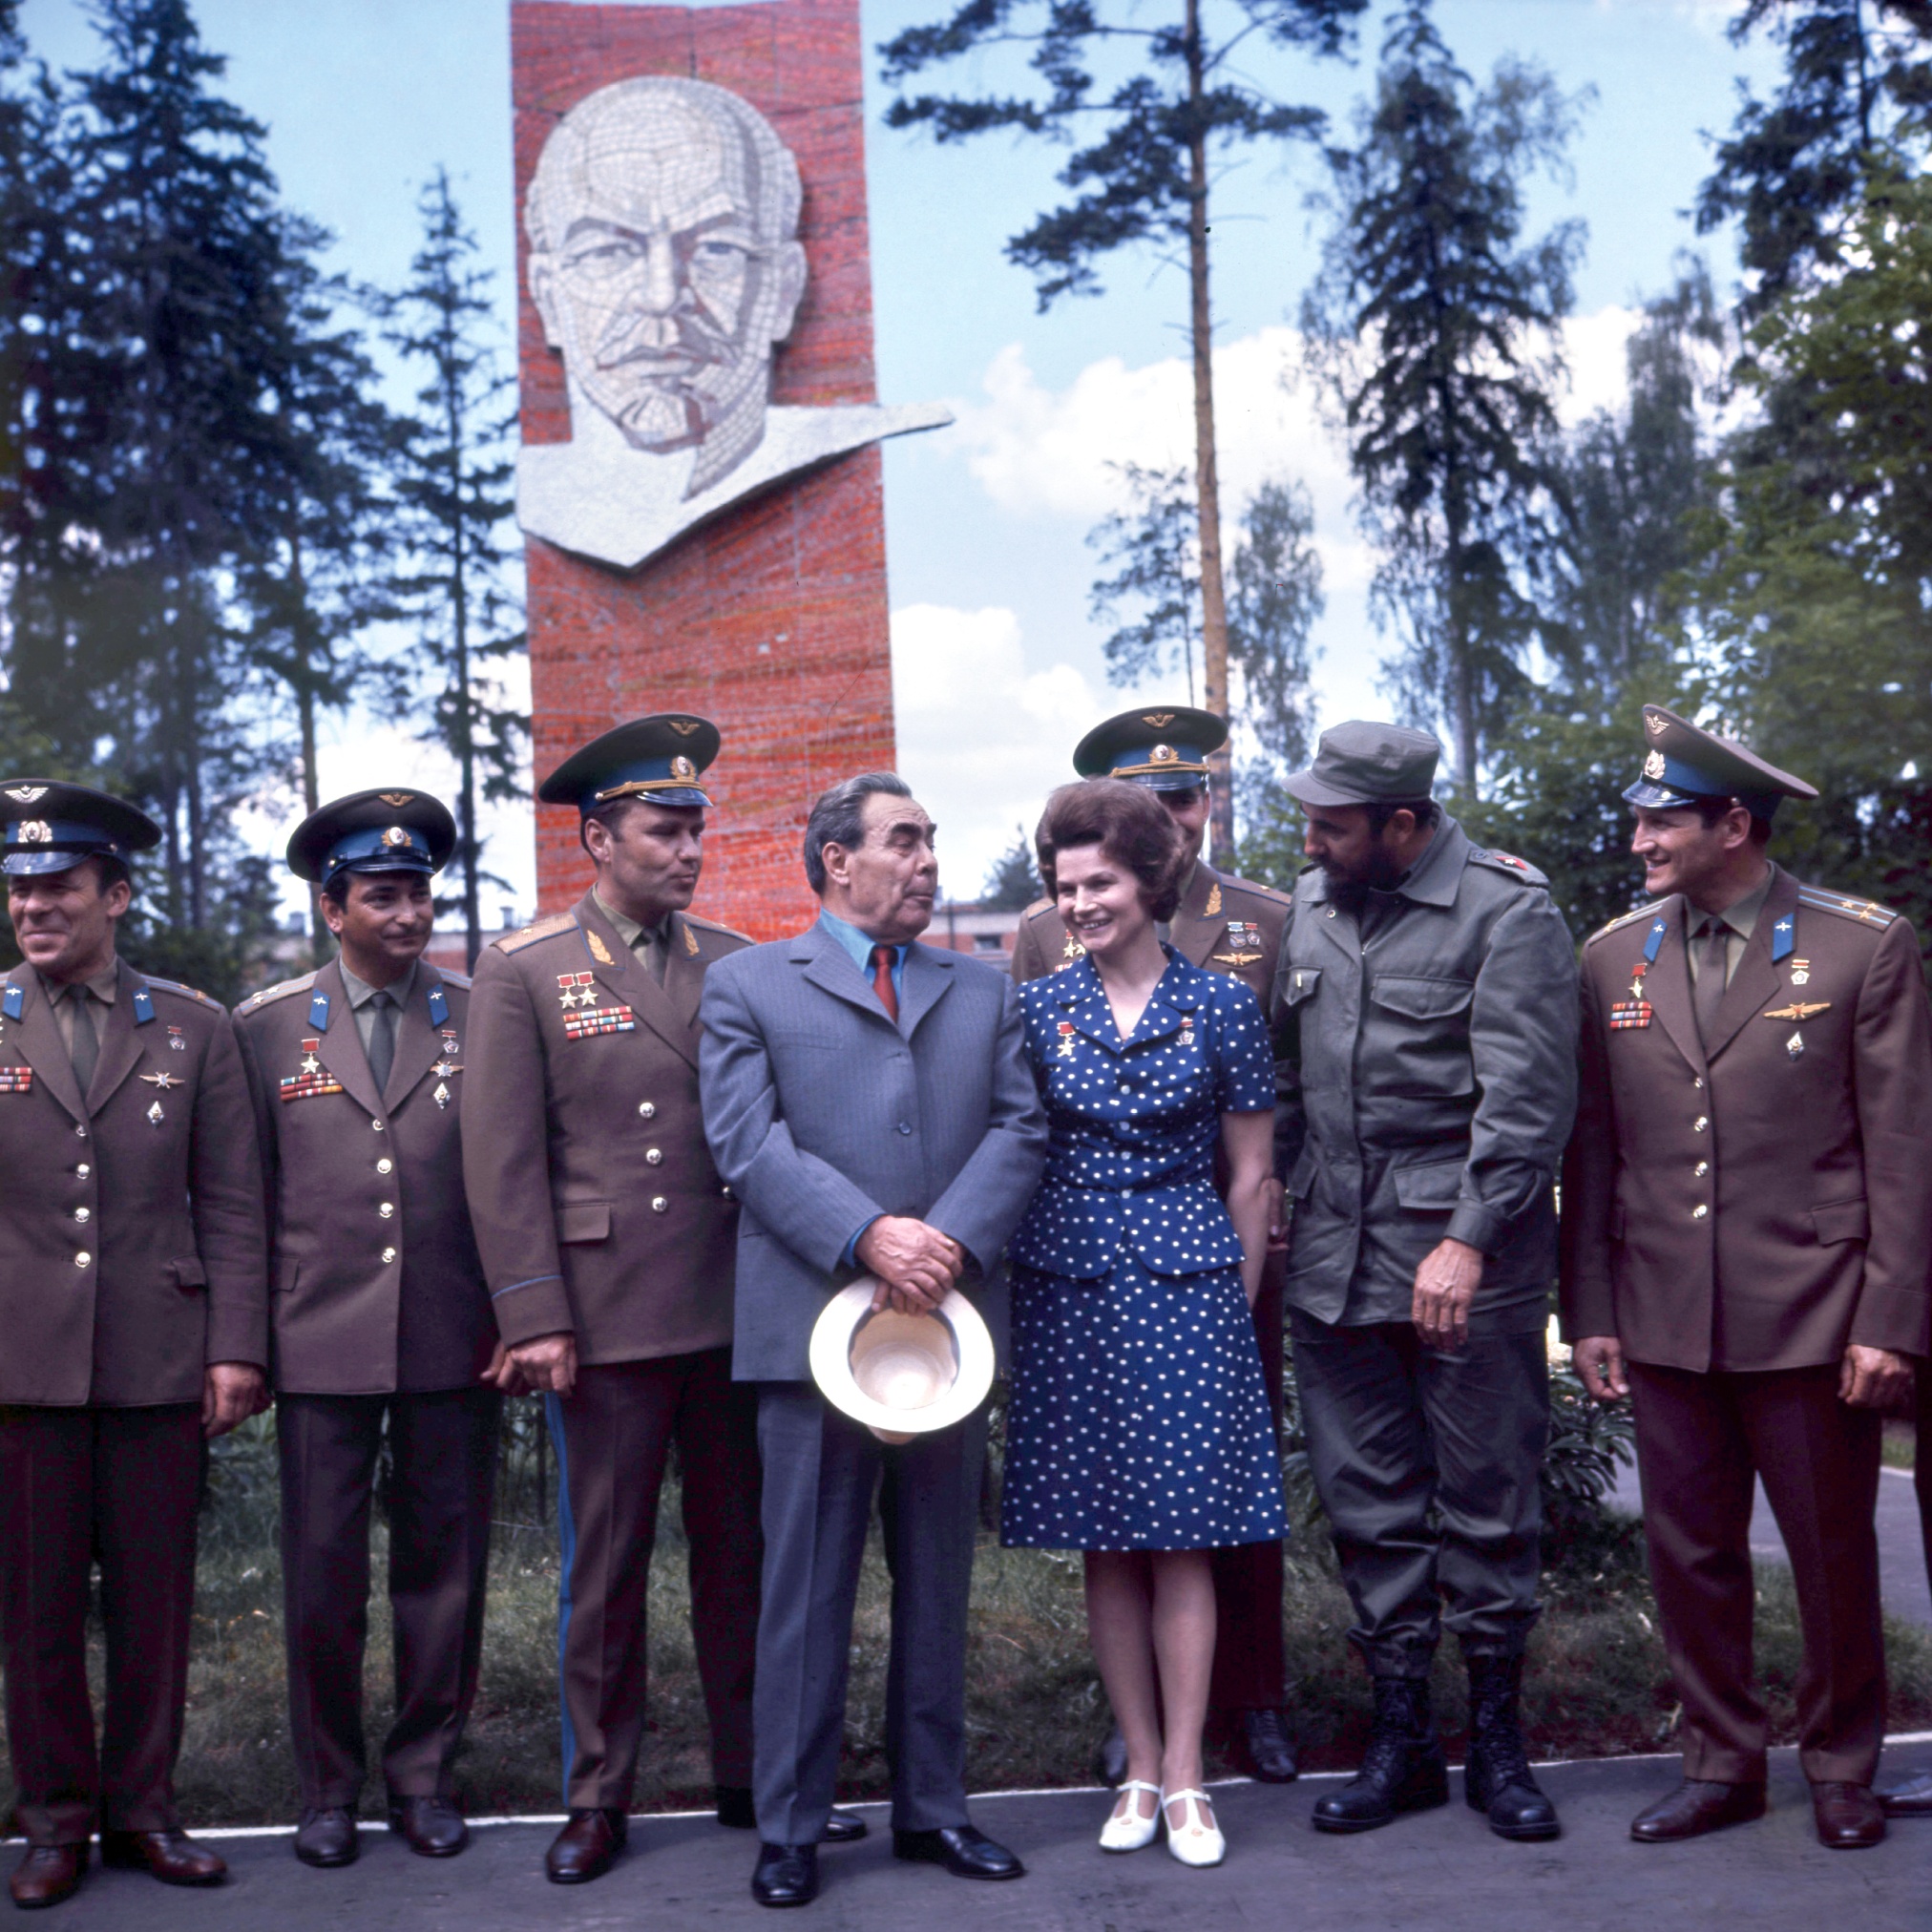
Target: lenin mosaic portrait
(665, 266)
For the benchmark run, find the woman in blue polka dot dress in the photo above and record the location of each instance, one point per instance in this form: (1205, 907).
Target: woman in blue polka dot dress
(1138, 1430)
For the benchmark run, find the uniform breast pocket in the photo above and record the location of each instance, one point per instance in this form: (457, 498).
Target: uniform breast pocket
(1422, 1036)
(1299, 985)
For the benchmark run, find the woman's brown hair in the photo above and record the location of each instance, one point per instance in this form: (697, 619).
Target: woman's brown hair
(1129, 824)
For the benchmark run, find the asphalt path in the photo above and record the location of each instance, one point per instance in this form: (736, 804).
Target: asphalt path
(1442, 1870)
(1903, 1581)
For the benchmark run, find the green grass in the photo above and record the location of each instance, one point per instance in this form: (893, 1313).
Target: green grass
(1596, 1684)
(1901, 1444)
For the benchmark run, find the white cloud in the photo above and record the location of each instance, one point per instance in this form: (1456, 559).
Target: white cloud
(982, 738)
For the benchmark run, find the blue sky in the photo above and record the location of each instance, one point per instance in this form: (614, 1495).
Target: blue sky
(997, 667)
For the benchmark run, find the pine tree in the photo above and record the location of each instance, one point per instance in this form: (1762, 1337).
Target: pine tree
(186, 248)
(1013, 884)
(1858, 78)
(452, 479)
(1433, 332)
(314, 582)
(1144, 179)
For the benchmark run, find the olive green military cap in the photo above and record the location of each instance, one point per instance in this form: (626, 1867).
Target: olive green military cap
(1685, 764)
(1367, 764)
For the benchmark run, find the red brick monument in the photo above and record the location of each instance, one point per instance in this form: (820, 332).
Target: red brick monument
(700, 480)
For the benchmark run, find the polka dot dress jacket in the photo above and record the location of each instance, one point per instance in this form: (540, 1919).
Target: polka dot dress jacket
(1135, 1122)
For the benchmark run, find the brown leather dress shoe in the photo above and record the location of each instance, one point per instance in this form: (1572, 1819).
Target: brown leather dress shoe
(1695, 1807)
(171, 1856)
(47, 1875)
(584, 1848)
(1849, 1817)
(431, 1827)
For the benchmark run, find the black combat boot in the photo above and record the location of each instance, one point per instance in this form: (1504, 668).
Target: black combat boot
(1497, 1780)
(1403, 1769)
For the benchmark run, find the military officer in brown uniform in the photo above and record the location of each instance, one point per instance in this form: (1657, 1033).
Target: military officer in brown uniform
(607, 1240)
(380, 1320)
(132, 1291)
(1747, 1235)
(1229, 926)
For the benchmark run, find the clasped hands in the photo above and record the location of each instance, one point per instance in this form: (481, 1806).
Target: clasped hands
(915, 1262)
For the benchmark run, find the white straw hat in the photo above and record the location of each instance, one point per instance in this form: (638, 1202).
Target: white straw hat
(901, 1375)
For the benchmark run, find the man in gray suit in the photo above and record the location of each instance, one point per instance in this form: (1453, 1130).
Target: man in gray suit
(869, 1101)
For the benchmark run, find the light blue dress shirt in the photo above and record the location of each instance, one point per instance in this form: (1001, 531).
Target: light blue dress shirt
(860, 946)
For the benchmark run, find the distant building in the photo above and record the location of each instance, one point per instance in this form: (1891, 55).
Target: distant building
(961, 927)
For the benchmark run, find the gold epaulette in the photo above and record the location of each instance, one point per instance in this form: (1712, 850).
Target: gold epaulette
(1623, 920)
(175, 986)
(715, 925)
(538, 929)
(267, 997)
(1861, 912)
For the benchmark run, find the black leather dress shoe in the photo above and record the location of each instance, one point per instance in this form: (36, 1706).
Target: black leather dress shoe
(964, 1851)
(584, 1848)
(1695, 1807)
(47, 1875)
(1267, 1747)
(171, 1856)
(1110, 1760)
(431, 1827)
(787, 1875)
(1912, 1799)
(327, 1837)
(736, 1810)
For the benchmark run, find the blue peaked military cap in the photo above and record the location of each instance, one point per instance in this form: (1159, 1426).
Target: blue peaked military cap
(657, 758)
(391, 831)
(1685, 764)
(51, 826)
(1163, 747)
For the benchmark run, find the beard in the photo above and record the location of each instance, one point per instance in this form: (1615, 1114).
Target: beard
(1379, 872)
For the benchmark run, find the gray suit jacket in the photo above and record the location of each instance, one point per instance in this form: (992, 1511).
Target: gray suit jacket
(822, 1114)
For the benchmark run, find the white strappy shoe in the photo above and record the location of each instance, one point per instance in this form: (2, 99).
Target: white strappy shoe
(1198, 1841)
(1127, 1831)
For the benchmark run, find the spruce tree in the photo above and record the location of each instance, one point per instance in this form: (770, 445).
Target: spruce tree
(1433, 331)
(452, 479)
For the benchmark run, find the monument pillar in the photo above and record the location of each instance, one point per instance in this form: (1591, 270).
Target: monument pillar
(666, 571)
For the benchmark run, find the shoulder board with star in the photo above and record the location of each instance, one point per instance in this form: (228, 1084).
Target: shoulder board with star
(1254, 890)
(1623, 920)
(714, 926)
(538, 930)
(286, 989)
(176, 987)
(1861, 912)
(1508, 863)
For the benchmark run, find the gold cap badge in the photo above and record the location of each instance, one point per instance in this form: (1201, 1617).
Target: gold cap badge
(1653, 765)
(395, 836)
(37, 831)
(1159, 720)
(397, 799)
(682, 767)
(1164, 754)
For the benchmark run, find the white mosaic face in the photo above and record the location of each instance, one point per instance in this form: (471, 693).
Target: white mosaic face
(664, 263)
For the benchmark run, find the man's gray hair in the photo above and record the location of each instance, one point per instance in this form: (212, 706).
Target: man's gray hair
(839, 818)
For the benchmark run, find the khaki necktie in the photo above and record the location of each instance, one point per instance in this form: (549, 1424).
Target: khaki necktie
(382, 1041)
(1713, 960)
(86, 1050)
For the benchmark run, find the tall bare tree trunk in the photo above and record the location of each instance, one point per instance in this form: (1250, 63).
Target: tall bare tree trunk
(1207, 465)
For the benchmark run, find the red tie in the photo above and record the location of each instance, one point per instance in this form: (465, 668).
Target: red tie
(882, 980)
